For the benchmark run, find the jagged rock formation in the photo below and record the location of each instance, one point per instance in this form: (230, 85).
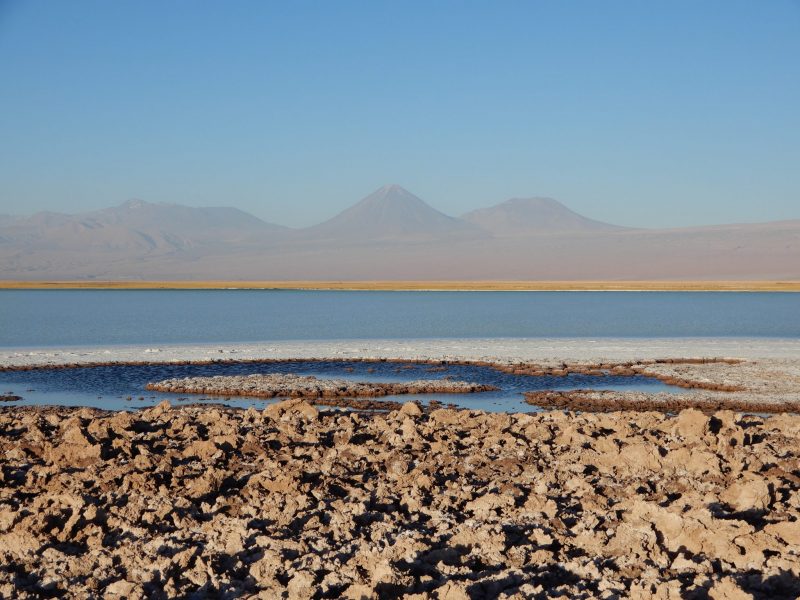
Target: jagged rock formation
(291, 502)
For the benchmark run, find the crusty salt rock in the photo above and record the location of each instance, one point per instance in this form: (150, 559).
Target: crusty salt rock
(660, 590)
(266, 567)
(696, 461)
(185, 558)
(479, 506)
(537, 503)
(123, 589)
(681, 564)
(690, 423)
(640, 456)
(788, 531)
(726, 419)
(446, 416)
(73, 434)
(19, 544)
(7, 517)
(752, 493)
(160, 409)
(208, 482)
(301, 586)
(489, 502)
(382, 572)
(202, 449)
(727, 589)
(411, 409)
(294, 406)
(99, 430)
(408, 429)
(452, 591)
(785, 422)
(359, 591)
(121, 421)
(73, 454)
(251, 415)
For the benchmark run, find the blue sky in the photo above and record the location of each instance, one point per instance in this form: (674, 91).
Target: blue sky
(639, 113)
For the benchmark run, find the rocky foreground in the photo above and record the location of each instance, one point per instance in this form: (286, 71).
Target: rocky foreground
(290, 502)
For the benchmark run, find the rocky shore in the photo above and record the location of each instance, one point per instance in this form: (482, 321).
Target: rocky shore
(767, 385)
(612, 401)
(291, 502)
(762, 386)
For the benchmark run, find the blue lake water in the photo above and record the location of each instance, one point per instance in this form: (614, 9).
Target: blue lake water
(42, 318)
(122, 387)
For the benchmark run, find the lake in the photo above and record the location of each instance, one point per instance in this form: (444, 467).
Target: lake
(47, 318)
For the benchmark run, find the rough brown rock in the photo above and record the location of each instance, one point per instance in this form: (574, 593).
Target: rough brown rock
(292, 502)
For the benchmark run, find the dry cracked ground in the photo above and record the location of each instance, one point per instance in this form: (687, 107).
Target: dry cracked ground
(290, 502)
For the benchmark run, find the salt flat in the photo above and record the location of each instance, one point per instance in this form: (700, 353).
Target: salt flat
(500, 350)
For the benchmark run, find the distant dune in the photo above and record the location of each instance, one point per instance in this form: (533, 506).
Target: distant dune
(389, 235)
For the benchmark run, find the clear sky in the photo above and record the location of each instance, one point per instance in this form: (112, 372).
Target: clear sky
(658, 113)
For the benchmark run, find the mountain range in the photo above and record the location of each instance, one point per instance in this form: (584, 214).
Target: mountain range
(390, 234)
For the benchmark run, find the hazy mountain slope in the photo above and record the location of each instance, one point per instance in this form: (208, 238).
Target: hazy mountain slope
(6, 220)
(184, 220)
(520, 216)
(136, 226)
(391, 213)
(391, 234)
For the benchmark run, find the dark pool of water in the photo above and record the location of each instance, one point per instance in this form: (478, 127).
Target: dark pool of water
(122, 387)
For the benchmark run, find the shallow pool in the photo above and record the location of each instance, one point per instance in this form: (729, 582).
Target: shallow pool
(122, 387)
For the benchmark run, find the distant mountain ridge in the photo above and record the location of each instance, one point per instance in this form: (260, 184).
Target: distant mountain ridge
(389, 234)
(136, 224)
(532, 215)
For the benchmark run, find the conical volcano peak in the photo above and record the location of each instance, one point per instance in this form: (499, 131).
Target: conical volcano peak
(392, 193)
(392, 211)
(135, 203)
(392, 188)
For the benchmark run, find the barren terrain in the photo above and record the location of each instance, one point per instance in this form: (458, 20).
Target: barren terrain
(292, 502)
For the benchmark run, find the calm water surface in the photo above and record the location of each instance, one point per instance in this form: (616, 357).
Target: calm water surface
(121, 387)
(40, 318)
